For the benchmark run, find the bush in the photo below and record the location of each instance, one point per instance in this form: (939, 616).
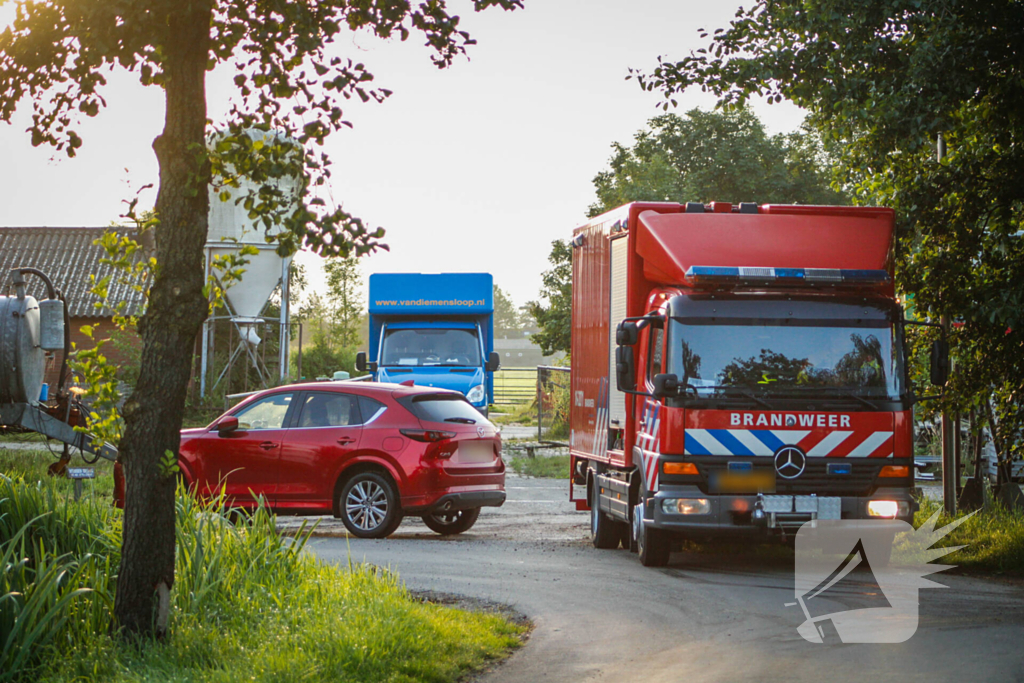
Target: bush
(320, 360)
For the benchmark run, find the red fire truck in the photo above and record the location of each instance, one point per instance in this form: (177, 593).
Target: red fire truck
(737, 371)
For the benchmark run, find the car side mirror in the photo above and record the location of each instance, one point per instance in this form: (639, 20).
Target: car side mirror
(666, 385)
(940, 362)
(493, 362)
(625, 369)
(227, 425)
(361, 361)
(627, 334)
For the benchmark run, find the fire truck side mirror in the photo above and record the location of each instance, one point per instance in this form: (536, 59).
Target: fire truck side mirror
(627, 334)
(625, 369)
(665, 386)
(361, 361)
(940, 362)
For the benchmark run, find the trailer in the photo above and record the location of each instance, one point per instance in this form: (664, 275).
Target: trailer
(737, 371)
(30, 328)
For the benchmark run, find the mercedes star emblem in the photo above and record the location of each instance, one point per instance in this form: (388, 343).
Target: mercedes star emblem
(790, 462)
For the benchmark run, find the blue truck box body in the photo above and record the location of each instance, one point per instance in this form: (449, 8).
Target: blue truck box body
(434, 329)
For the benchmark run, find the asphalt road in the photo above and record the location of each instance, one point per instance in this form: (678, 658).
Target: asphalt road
(600, 616)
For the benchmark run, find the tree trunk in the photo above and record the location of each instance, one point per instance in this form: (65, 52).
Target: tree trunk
(177, 308)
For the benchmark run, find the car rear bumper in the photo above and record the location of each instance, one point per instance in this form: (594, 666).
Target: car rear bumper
(455, 500)
(734, 515)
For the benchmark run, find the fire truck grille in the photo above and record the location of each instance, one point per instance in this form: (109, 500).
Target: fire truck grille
(814, 479)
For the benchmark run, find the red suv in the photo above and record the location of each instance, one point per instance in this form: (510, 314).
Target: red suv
(366, 452)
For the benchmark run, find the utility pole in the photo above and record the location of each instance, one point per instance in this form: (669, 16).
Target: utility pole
(950, 464)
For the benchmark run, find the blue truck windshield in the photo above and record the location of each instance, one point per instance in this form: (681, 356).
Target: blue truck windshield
(784, 356)
(431, 346)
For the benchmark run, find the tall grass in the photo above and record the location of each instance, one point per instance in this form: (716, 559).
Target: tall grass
(247, 604)
(549, 467)
(56, 562)
(994, 538)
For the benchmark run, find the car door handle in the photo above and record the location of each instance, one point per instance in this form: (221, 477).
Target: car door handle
(345, 439)
(268, 445)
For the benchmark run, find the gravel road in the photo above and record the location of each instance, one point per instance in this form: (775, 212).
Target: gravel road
(600, 616)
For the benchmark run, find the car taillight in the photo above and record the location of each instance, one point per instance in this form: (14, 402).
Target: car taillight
(427, 435)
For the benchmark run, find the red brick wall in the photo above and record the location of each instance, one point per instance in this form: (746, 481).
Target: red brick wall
(103, 328)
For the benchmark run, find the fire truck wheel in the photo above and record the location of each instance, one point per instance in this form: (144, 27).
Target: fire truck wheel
(634, 527)
(652, 546)
(603, 531)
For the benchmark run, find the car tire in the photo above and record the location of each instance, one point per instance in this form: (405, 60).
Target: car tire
(368, 506)
(653, 545)
(452, 522)
(603, 531)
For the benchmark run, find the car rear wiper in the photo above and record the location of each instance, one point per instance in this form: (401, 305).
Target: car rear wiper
(461, 420)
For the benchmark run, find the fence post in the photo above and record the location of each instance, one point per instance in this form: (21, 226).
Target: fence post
(540, 405)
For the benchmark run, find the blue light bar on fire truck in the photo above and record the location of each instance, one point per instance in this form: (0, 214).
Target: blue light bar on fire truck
(784, 276)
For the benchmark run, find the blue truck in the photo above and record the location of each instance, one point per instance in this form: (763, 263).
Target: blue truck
(434, 329)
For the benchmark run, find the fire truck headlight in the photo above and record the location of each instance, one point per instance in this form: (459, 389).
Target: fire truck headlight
(686, 506)
(476, 394)
(888, 508)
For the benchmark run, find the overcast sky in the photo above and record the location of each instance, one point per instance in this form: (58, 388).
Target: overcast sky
(476, 168)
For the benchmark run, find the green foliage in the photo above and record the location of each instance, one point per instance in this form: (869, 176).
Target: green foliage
(98, 377)
(882, 80)
(320, 360)
(344, 300)
(238, 588)
(508, 320)
(993, 539)
(168, 466)
(716, 156)
(555, 318)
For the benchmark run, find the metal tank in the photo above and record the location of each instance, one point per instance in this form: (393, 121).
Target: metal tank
(22, 359)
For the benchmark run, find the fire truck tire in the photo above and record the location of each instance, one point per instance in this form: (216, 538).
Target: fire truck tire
(653, 546)
(603, 531)
(634, 527)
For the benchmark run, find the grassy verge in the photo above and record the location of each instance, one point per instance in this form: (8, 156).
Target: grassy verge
(553, 467)
(32, 465)
(994, 539)
(248, 604)
(22, 437)
(521, 413)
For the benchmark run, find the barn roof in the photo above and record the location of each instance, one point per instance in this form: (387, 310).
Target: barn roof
(68, 256)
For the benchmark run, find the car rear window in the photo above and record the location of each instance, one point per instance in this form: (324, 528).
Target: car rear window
(443, 408)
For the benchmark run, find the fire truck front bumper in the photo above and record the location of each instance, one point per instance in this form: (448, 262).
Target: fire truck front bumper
(695, 514)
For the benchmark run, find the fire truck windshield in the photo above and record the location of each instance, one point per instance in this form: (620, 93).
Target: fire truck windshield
(797, 348)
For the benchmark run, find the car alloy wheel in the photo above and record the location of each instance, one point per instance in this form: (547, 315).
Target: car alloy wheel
(366, 505)
(369, 506)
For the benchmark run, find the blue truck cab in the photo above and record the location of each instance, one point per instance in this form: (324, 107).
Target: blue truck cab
(434, 329)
